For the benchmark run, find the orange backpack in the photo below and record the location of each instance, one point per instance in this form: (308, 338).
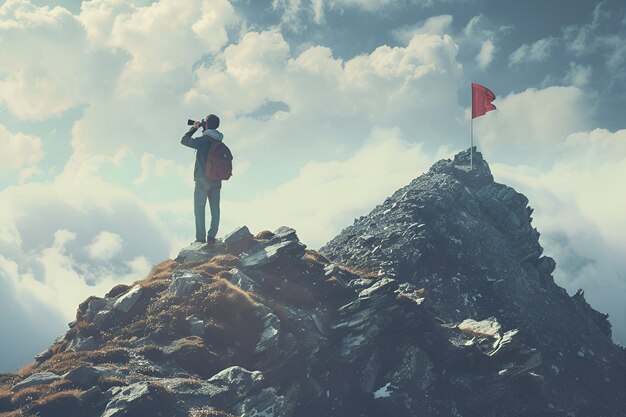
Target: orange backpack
(219, 161)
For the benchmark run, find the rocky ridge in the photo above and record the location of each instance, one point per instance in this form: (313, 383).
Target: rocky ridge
(445, 308)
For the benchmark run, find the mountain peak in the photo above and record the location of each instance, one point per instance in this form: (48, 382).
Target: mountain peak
(438, 302)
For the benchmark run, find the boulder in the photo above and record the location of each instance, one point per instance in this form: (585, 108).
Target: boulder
(488, 327)
(243, 281)
(94, 306)
(87, 376)
(126, 301)
(41, 378)
(264, 255)
(196, 326)
(199, 251)
(266, 403)
(239, 240)
(271, 328)
(240, 381)
(81, 344)
(185, 282)
(137, 399)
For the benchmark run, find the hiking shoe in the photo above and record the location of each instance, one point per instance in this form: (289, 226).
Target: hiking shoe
(199, 241)
(210, 240)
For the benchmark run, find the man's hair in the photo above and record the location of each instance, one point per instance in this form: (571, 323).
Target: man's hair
(212, 121)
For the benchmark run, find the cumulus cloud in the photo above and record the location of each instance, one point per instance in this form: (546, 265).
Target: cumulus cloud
(18, 152)
(433, 25)
(331, 104)
(105, 246)
(62, 242)
(536, 52)
(531, 127)
(48, 65)
(314, 202)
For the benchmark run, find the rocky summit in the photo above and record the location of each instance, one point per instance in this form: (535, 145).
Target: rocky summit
(437, 303)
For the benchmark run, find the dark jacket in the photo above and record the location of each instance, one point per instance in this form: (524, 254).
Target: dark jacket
(202, 145)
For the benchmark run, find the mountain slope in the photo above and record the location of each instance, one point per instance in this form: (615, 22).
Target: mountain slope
(445, 308)
(469, 242)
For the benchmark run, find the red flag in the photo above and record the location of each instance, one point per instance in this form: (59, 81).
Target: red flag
(481, 100)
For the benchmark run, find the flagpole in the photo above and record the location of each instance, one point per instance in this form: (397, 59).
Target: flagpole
(472, 143)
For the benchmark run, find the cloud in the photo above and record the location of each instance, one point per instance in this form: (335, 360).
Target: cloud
(531, 127)
(19, 153)
(433, 25)
(604, 34)
(485, 56)
(314, 202)
(578, 75)
(580, 215)
(62, 242)
(105, 246)
(536, 52)
(28, 325)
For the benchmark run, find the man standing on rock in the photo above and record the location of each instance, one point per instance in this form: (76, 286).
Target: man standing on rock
(205, 187)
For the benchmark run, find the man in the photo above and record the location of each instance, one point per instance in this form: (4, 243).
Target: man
(205, 188)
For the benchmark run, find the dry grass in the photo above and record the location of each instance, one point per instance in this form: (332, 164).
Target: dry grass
(17, 413)
(315, 257)
(5, 399)
(106, 382)
(359, 272)
(62, 403)
(63, 362)
(118, 290)
(264, 235)
(162, 271)
(55, 399)
(193, 355)
(152, 352)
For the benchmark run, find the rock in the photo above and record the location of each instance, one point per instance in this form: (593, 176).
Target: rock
(415, 369)
(284, 244)
(44, 356)
(546, 265)
(284, 233)
(271, 328)
(87, 376)
(102, 319)
(198, 251)
(243, 281)
(138, 399)
(126, 301)
(239, 380)
(41, 378)
(81, 344)
(239, 240)
(185, 282)
(196, 326)
(489, 327)
(95, 306)
(266, 403)
(264, 255)
(93, 396)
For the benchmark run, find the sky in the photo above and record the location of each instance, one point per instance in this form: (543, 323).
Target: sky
(328, 106)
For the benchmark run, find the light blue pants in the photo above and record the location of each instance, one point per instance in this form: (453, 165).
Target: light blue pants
(202, 191)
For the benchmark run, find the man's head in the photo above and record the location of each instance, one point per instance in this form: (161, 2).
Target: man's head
(212, 121)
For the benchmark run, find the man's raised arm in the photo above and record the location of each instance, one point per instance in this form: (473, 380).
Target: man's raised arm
(187, 139)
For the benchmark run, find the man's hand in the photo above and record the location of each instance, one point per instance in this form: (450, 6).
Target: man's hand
(196, 125)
